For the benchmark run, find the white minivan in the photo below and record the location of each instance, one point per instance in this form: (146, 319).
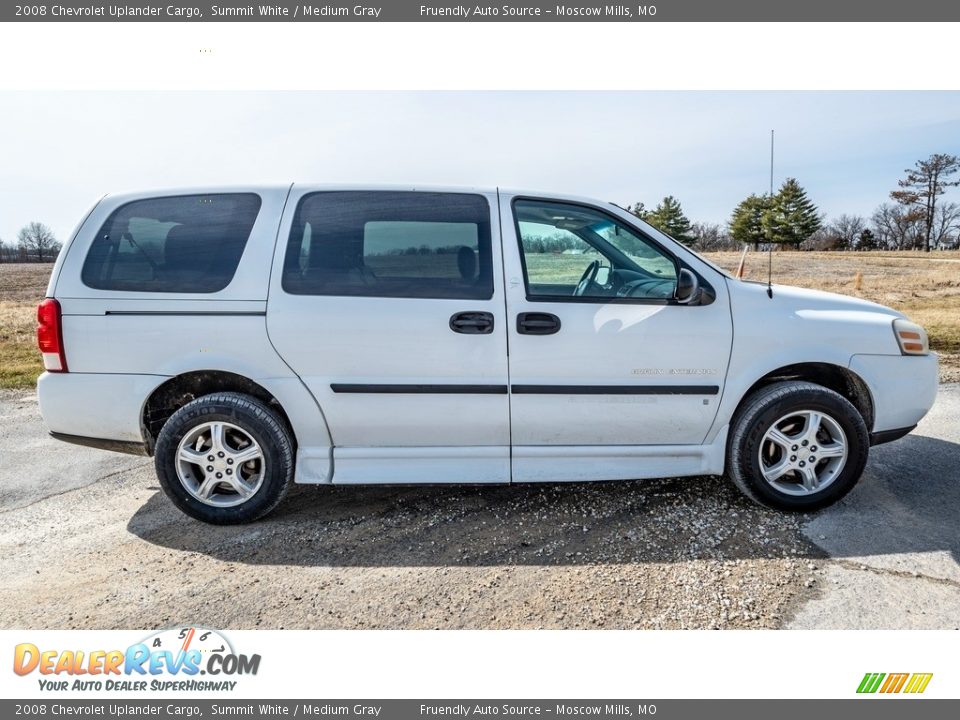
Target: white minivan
(252, 337)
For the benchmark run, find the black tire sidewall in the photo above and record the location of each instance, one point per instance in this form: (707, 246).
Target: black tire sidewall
(254, 418)
(827, 402)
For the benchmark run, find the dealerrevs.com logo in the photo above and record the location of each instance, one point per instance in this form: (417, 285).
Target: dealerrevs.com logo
(179, 659)
(890, 683)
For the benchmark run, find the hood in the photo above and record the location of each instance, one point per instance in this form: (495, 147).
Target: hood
(801, 299)
(810, 325)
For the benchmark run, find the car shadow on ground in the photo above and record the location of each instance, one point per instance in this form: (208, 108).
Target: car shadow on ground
(908, 501)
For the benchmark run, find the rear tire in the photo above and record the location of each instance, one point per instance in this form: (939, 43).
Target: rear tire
(225, 458)
(769, 455)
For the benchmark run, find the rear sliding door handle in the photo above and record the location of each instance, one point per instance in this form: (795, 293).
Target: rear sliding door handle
(472, 323)
(537, 323)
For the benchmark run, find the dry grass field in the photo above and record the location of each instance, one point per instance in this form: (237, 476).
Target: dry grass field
(924, 286)
(22, 286)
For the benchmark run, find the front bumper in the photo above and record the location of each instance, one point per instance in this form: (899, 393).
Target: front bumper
(903, 388)
(885, 436)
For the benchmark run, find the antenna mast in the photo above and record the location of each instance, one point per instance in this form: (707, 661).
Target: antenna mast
(769, 243)
(771, 163)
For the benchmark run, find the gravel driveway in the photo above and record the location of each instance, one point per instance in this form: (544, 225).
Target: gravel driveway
(89, 541)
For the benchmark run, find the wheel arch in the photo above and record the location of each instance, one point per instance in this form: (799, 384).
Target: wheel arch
(177, 391)
(829, 375)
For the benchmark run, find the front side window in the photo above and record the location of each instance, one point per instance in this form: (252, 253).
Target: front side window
(181, 244)
(571, 251)
(390, 244)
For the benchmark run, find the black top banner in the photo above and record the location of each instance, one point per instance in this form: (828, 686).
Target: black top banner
(523, 11)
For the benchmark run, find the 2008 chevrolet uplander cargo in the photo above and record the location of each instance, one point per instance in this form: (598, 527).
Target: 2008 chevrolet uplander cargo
(250, 337)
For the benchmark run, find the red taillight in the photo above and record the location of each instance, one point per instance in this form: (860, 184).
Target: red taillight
(50, 336)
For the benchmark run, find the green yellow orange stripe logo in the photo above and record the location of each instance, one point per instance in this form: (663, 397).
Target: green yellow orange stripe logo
(888, 683)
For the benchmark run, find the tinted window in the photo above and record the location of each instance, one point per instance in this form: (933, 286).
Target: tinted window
(183, 244)
(390, 244)
(572, 251)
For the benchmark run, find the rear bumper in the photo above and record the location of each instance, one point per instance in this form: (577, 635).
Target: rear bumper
(96, 407)
(123, 446)
(903, 388)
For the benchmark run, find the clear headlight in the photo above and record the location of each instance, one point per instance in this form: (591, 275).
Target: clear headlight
(911, 337)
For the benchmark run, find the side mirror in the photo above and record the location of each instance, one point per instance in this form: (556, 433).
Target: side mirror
(688, 287)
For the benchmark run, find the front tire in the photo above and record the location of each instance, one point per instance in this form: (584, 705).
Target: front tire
(796, 446)
(225, 459)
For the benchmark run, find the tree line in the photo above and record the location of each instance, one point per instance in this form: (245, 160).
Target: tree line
(916, 217)
(35, 243)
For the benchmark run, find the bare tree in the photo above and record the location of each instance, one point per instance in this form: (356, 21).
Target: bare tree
(37, 239)
(711, 236)
(847, 229)
(838, 234)
(923, 185)
(823, 239)
(946, 225)
(896, 227)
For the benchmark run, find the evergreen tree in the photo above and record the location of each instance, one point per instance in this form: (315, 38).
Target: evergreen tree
(638, 209)
(867, 240)
(668, 218)
(746, 225)
(792, 217)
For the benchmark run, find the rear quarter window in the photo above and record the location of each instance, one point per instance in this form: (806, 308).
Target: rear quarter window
(390, 244)
(177, 244)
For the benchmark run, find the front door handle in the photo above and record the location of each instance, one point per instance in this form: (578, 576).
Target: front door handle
(537, 323)
(472, 323)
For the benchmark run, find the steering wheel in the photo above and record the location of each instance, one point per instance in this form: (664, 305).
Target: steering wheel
(589, 275)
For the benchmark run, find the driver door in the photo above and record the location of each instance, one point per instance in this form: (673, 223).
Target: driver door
(599, 352)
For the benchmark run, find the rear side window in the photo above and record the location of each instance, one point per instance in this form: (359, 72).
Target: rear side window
(181, 244)
(390, 244)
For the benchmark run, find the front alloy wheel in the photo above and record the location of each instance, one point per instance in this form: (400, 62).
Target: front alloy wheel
(796, 445)
(803, 452)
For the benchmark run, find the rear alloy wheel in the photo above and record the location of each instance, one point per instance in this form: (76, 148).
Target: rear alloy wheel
(220, 464)
(797, 446)
(225, 458)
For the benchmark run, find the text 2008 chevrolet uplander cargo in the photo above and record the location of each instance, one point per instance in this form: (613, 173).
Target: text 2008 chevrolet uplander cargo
(250, 337)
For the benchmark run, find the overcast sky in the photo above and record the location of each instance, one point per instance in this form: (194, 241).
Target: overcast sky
(61, 151)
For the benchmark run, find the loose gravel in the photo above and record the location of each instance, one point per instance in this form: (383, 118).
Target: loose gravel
(685, 553)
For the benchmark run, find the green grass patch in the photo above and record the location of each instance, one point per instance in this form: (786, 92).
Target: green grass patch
(20, 364)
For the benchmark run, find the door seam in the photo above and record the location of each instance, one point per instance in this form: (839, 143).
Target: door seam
(506, 329)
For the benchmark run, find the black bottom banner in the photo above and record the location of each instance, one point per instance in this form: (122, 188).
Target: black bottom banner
(873, 707)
